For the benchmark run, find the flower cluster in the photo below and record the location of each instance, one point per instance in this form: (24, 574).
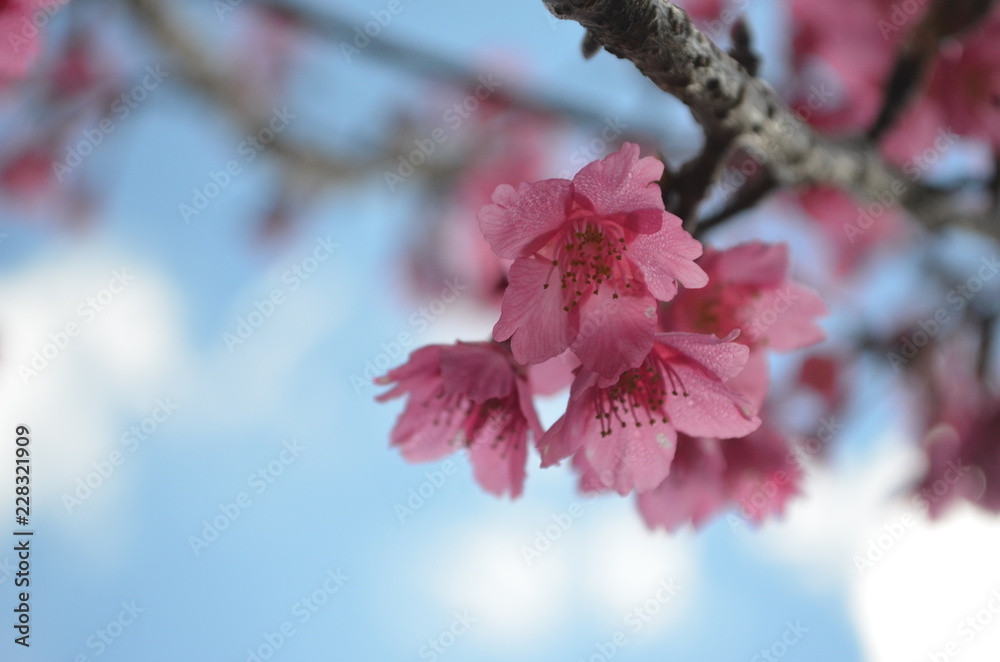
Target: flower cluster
(602, 277)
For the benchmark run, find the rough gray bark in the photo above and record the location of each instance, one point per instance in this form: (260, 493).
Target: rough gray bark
(732, 105)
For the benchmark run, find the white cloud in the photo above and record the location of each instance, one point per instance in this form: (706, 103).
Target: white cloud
(914, 604)
(824, 528)
(114, 367)
(591, 556)
(625, 563)
(89, 340)
(912, 582)
(488, 575)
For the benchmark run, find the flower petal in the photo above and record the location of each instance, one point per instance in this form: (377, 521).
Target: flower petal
(666, 257)
(499, 465)
(722, 357)
(478, 371)
(615, 333)
(520, 220)
(621, 183)
(532, 316)
(566, 435)
(631, 457)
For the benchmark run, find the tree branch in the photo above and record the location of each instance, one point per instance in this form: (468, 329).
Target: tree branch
(198, 67)
(730, 104)
(384, 48)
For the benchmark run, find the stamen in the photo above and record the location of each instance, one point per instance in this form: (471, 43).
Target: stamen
(640, 396)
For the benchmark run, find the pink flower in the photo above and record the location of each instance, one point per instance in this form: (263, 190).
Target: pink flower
(963, 465)
(761, 473)
(500, 143)
(693, 492)
(966, 83)
(627, 431)
(843, 54)
(852, 229)
(27, 176)
(471, 395)
(749, 289)
(962, 418)
(82, 67)
(916, 130)
(842, 60)
(756, 473)
(703, 10)
(593, 253)
(823, 374)
(19, 45)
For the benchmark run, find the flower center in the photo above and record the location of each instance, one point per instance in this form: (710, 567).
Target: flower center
(494, 421)
(588, 255)
(639, 396)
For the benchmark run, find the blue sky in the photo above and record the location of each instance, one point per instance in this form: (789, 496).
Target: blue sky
(271, 440)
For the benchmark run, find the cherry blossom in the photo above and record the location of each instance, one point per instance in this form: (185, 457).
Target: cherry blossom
(503, 145)
(627, 431)
(21, 43)
(591, 258)
(966, 83)
(757, 474)
(749, 289)
(469, 395)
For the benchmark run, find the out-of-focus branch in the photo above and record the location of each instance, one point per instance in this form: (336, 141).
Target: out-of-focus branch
(202, 72)
(988, 329)
(917, 55)
(384, 48)
(753, 191)
(730, 104)
(687, 188)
